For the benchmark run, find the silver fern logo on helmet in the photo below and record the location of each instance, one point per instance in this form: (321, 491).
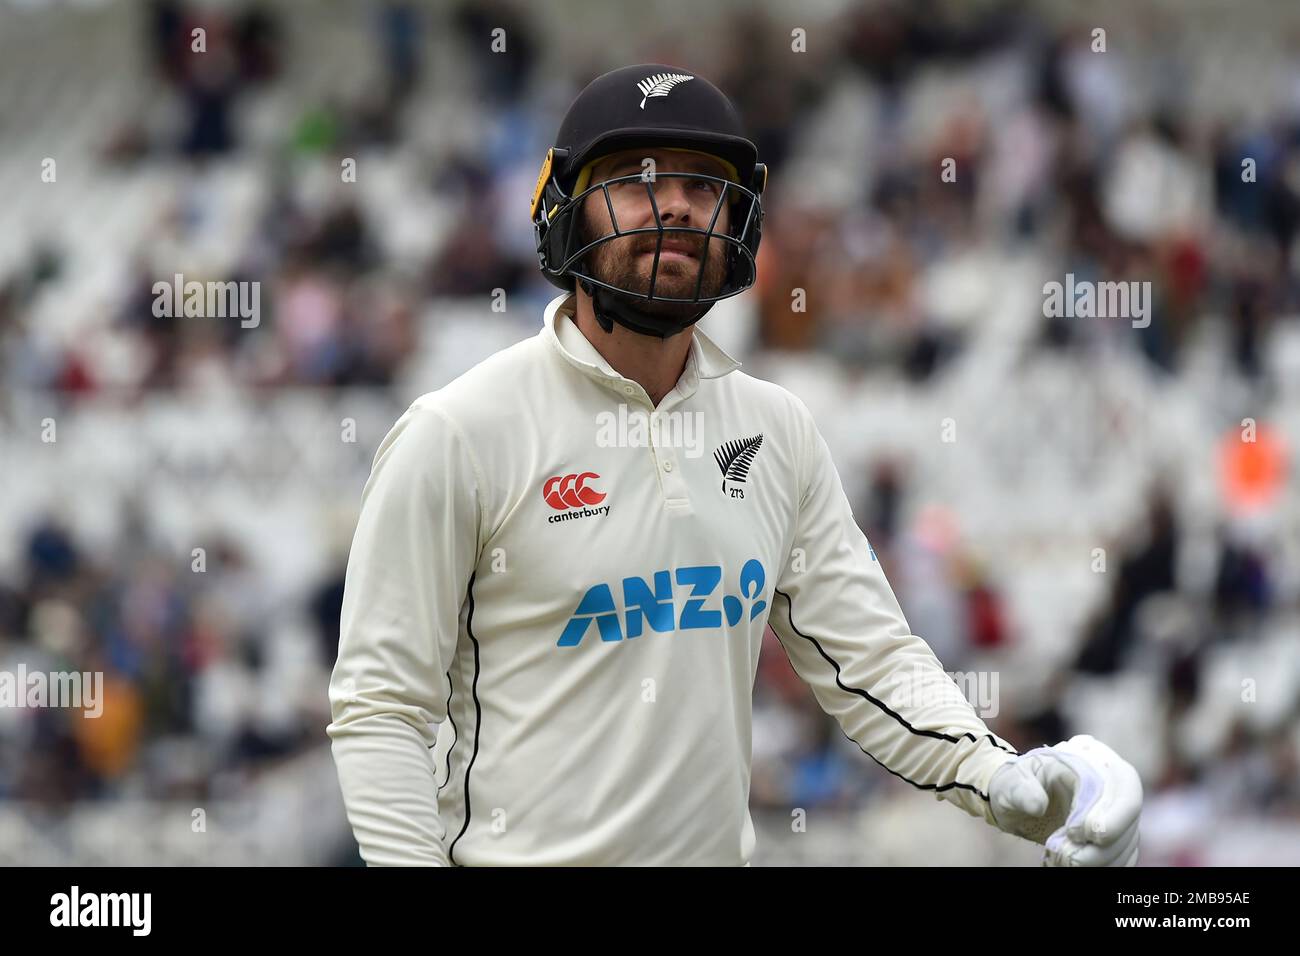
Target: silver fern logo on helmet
(659, 84)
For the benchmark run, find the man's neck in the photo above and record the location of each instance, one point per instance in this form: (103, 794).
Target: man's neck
(653, 363)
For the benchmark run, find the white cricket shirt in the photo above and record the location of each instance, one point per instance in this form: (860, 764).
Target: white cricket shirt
(572, 586)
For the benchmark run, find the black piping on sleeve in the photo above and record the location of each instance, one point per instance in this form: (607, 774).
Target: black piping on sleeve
(478, 719)
(935, 734)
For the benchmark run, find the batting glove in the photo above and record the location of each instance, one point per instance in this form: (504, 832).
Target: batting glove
(1079, 799)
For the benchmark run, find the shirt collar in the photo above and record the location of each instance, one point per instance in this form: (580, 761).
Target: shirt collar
(706, 359)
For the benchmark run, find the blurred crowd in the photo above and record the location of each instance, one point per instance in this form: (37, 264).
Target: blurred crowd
(1073, 165)
(1062, 161)
(209, 676)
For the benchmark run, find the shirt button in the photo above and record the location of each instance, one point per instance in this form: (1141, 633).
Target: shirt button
(668, 466)
(629, 389)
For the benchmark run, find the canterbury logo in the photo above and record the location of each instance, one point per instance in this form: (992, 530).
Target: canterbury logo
(660, 84)
(735, 457)
(570, 491)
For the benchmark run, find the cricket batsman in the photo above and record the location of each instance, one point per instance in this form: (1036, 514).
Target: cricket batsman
(552, 617)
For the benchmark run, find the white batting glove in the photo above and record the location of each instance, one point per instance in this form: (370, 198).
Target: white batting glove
(1080, 799)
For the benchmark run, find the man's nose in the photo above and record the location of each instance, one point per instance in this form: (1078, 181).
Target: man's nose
(671, 198)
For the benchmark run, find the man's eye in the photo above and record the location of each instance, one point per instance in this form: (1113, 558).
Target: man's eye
(708, 184)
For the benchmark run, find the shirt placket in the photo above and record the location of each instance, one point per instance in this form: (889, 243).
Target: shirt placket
(666, 457)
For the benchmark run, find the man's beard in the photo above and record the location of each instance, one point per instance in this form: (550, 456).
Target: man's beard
(620, 262)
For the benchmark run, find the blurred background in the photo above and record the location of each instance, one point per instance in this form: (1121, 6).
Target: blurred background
(1114, 533)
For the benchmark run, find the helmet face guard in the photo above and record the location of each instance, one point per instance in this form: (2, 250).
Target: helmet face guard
(650, 106)
(563, 246)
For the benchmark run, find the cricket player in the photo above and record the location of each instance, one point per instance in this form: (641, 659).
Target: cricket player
(566, 558)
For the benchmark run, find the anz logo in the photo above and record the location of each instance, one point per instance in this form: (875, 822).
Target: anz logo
(654, 604)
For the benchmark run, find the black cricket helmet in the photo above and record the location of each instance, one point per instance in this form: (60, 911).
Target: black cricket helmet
(650, 106)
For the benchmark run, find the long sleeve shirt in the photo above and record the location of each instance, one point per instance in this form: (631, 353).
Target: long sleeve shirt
(554, 605)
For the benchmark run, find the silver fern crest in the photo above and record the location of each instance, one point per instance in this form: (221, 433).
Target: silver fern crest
(735, 457)
(660, 84)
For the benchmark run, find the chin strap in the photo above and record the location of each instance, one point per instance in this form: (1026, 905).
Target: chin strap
(610, 307)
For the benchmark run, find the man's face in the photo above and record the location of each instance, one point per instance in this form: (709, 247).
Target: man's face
(627, 262)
